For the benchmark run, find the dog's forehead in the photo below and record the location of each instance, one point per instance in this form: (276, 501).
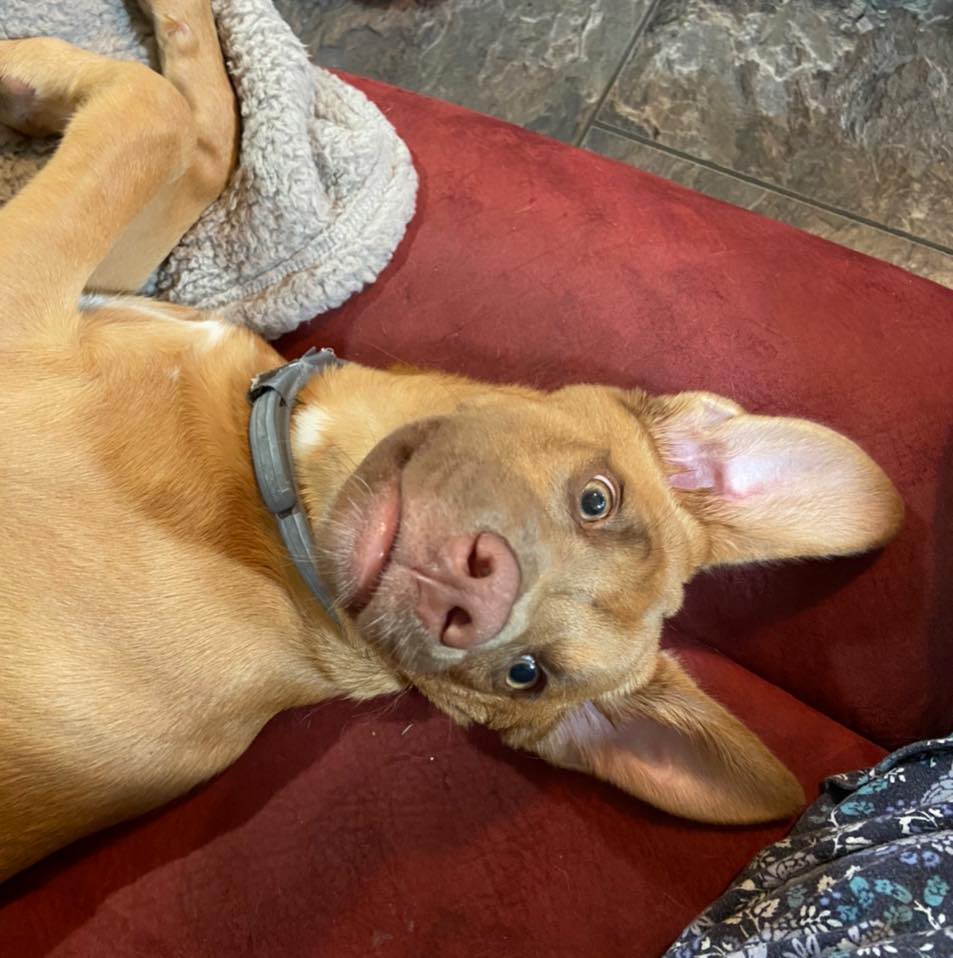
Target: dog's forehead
(600, 415)
(601, 404)
(547, 435)
(583, 408)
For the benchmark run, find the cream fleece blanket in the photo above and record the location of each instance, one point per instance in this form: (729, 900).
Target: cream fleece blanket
(324, 188)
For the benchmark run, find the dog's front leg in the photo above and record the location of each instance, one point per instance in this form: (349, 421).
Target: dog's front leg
(131, 174)
(128, 133)
(191, 59)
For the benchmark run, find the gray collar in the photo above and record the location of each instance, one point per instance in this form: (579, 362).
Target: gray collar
(272, 396)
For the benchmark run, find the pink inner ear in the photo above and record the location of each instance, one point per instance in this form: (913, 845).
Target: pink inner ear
(700, 461)
(770, 487)
(733, 470)
(708, 466)
(698, 469)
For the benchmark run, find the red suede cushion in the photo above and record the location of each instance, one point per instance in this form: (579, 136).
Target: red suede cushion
(386, 830)
(534, 262)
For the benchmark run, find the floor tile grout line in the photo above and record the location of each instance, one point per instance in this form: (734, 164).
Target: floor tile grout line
(626, 54)
(771, 187)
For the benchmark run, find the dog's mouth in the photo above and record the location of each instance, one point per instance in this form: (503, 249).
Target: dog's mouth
(377, 531)
(368, 513)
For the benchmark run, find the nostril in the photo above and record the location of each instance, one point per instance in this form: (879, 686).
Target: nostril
(480, 566)
(456, 627)
(457, 617)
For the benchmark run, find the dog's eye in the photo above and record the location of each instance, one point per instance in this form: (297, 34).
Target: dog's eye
(524, 674)
(597, 499)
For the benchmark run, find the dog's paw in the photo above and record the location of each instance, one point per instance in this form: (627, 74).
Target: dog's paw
(178, 24)
(17, 105)
(24, 107)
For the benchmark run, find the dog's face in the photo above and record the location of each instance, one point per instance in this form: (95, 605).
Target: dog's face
(515, 558)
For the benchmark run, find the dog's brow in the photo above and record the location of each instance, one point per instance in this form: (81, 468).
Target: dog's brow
(626, 404)
(581, 669)
(570, 446)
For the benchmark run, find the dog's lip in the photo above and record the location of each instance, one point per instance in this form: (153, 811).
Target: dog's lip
(374, 545)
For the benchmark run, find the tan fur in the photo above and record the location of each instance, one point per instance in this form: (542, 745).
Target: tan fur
(150, 620)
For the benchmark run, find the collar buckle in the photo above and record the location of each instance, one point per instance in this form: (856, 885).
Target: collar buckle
(288, 379)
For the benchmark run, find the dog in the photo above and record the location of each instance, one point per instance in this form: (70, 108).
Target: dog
(510, 553)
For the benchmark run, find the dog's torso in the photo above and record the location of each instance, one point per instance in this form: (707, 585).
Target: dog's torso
(137, 563)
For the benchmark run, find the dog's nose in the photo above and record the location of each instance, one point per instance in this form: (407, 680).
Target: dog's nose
(466, 597)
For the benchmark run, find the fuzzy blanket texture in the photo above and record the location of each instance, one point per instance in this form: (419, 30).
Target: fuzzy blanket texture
(324, 187)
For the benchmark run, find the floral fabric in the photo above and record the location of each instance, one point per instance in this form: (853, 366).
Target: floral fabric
(866, 873)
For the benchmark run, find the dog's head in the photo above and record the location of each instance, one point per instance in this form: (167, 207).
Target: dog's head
(514, 557)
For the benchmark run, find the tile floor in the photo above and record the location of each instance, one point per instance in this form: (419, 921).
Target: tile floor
(833, 115)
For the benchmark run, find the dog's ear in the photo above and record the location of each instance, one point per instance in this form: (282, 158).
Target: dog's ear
(672, 746)
(767, 487)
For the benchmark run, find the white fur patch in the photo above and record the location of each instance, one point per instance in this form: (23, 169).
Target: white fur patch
(91, 301)
(215, 331)
(308, 428)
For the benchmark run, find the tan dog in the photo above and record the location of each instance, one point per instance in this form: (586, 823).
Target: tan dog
(512, 554)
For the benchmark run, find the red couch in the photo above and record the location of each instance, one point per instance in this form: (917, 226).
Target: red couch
(384, 830)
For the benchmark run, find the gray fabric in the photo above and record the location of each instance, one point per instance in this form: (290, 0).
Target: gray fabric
(324, 188)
